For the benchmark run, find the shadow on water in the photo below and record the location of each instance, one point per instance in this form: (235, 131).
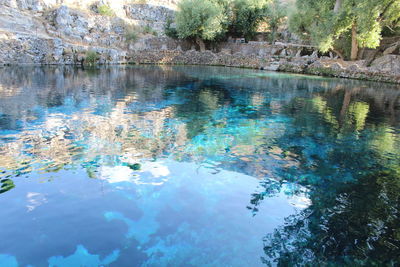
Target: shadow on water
(332, 145)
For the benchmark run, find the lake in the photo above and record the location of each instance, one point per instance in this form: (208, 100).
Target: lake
(196, 166)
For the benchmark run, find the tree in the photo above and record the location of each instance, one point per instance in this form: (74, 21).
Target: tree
(327, 21)
(246, 16)
(274, 16)
(211, 20)
(200, 20)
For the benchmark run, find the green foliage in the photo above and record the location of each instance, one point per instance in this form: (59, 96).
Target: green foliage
(131, 35)
(169, 30)
(343, 44)
(91, 57)
(324, 22)
(200, 19)
(212, 20)
(132, 32)
(245, 17)
(275, 15)
(148, 30)
(105, 10)
(142, 2)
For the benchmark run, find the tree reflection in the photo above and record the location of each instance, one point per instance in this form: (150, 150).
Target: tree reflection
(349, 166)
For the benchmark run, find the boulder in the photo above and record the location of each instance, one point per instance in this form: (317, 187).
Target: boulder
(314, 54)
(387, 63)
(273, 66)
(394, 49)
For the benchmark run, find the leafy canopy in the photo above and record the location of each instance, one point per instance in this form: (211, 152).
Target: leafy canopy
(246, 15)
(203, 19)
(323, 24)
(275, 14)
(212, 19)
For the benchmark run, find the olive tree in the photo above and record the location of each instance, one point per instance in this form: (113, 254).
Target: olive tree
(324, 22)
(200, 20)
(275, 15)
(246, 16)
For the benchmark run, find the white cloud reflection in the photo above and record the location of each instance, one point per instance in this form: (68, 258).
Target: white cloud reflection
(152, 173)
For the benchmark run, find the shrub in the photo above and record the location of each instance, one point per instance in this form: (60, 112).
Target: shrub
(131, 36)
(142, 2)
(105, 11)
(169, 30)
(148, 30)
(212, 20)
(91, 57)
(131, 33)
(247, 14)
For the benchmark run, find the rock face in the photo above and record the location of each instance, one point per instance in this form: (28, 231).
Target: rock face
(388, 63)
(26, 49)
(151, 16)
(45, 32)
(77, 26)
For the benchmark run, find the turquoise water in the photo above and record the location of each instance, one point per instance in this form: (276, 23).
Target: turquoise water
(196, 166)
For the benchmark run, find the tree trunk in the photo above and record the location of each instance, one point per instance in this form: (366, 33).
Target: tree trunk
(201, 44)
(354, 42)
(338, 53)
(273, 33)
(338, 5)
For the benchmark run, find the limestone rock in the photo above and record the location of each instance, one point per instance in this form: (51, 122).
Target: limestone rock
(314, 54)
(274, 66)
(394, 49)
(387, 63)
(153, 16)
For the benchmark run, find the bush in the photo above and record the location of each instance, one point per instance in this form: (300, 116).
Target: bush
(276, 13)
(91, 57)
(105, 11)
(169, 30)
(131, 33)
(142, 2)
(247, 14)
(131, 36)
(148, 30)
(212, 20)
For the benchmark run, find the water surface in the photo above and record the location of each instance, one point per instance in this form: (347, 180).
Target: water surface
(196, 166)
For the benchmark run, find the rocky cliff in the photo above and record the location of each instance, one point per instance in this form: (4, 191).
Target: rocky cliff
(63, 31)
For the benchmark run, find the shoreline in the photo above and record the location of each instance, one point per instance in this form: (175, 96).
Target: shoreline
(331, 68)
